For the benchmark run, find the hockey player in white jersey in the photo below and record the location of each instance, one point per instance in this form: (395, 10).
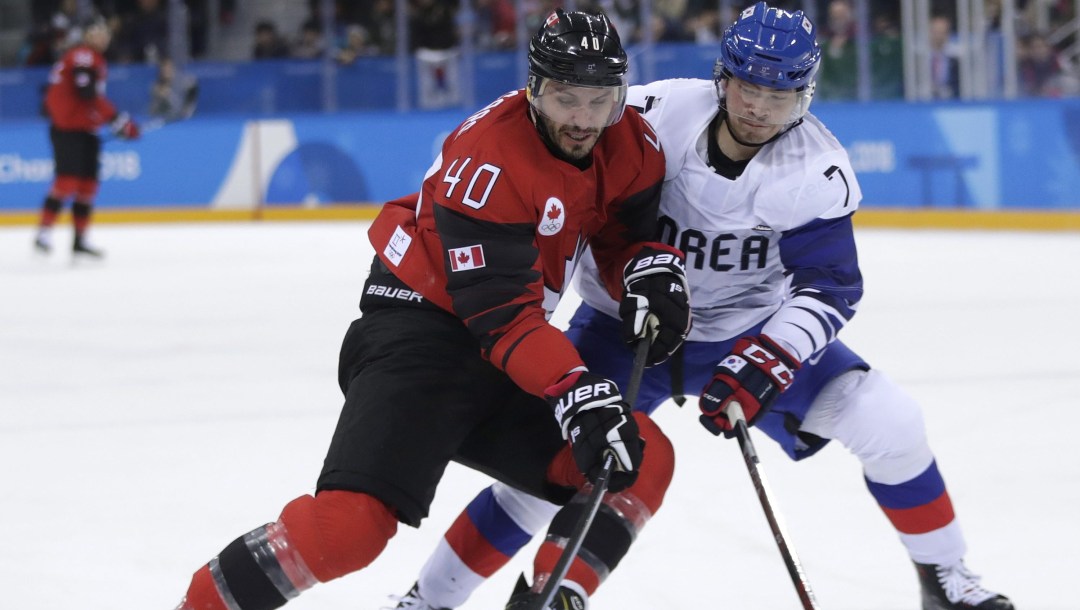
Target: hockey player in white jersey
(759, 195)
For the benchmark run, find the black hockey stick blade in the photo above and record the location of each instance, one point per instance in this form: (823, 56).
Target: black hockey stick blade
(753, 466)
(596, 497)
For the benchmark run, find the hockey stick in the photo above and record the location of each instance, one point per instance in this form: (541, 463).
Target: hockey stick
(187, 110)
(592, 504)
(150, 126)
(791, 560)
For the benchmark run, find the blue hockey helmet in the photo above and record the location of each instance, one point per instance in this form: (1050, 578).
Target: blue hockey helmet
(772, 48)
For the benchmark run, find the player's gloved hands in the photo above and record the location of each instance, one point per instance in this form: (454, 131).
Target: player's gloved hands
(656, 301)
(595, 419)
(755, 372)
(125, 127)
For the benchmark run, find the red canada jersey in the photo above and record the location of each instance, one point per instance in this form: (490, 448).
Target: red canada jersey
(501, 223)
(76, 98)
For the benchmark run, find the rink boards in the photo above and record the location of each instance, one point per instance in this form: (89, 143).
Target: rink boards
(992, 165)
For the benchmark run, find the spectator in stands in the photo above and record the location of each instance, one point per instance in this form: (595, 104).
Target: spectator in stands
(144, 34)
(838, 77)
(49, 38)
(38, 48)
(944, 66)
(268, 43)
(667, 21)
(626, 16)
(65, 26)
(1041, 71)
(378, 21)
(198, 27)
(496, 24)
(432, 24)
(667, 30)
(887, 59)
(345, 13)
(703, 22)
(172, 96)
(226, 11)
(357, 44)
(309, 42)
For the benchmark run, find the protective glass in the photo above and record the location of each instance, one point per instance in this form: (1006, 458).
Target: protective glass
(779, 107)
(575, 105)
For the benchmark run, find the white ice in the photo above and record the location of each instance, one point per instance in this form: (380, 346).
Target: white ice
(156, 406)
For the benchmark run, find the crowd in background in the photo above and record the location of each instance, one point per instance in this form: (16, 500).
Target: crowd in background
(140, 28)
(362, 28)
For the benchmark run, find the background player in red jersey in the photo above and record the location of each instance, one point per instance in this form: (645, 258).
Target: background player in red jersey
(453, 357)
(77, 107)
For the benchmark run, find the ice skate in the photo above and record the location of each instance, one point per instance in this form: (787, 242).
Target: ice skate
(83, 249)
(413, 601)
(43, 241)
(955, 587)
(565, 598)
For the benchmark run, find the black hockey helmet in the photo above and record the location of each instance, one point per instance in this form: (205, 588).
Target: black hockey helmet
(577, 49)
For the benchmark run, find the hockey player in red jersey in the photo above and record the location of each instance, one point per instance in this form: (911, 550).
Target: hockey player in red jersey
(77, 108)
(760, 198)
(453, 357)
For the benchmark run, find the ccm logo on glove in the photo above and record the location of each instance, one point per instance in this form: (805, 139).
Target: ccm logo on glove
(758, 355)
(754, 374)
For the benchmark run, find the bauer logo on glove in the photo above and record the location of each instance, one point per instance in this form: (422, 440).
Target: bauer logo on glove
(655, 305)
(596, 420)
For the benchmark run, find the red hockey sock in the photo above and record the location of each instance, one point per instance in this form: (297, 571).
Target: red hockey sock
(316, 539)
(620, 518)
(338, 532)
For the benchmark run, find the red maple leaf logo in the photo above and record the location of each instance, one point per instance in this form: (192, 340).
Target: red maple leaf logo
(553, 212)
(462, 258)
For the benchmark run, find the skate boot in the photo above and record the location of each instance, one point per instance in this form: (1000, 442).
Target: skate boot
(82, 248)
(413, 600)
(955, 587)
(565, 598)
(43, 241)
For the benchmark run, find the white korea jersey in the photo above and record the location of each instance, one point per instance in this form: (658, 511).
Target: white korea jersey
(776, 240)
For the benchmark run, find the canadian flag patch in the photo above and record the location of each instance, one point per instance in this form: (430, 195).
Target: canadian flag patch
(469, 257)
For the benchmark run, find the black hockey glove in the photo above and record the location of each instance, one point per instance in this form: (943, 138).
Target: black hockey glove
(755, 372)
(656, 301)
(595, 419)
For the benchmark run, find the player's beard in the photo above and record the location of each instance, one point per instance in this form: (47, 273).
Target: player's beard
(574, 142)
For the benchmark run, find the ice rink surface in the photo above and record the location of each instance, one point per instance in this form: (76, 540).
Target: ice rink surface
(156, 406)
